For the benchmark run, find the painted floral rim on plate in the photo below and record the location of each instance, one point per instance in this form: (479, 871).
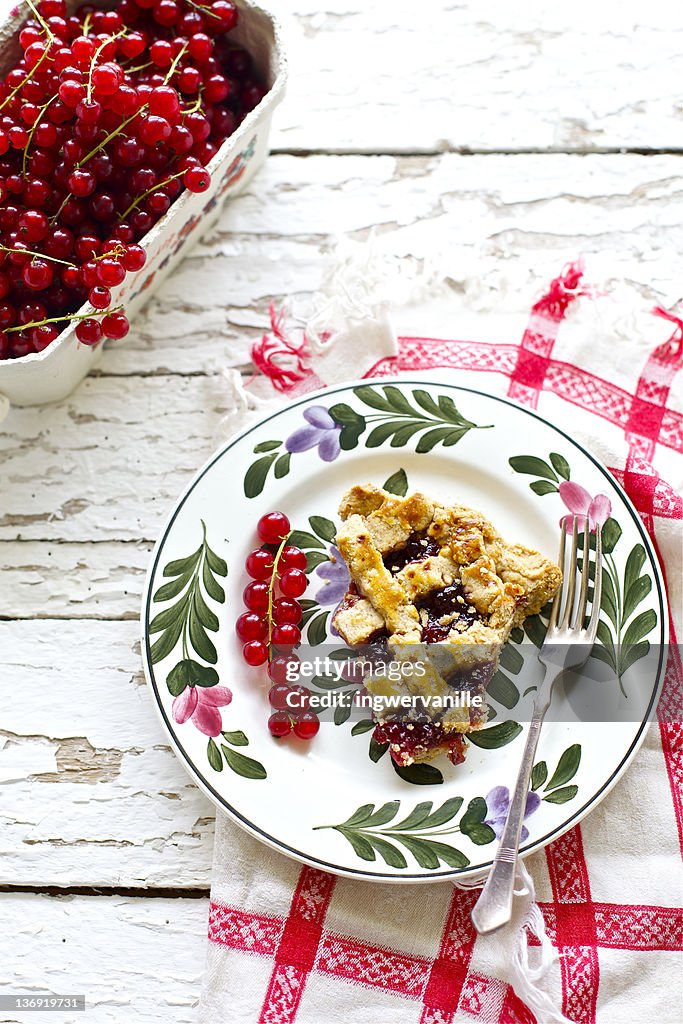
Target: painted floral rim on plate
(187, 623)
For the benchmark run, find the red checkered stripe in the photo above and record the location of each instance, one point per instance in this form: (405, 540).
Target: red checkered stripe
(298, 945)
(579, 387)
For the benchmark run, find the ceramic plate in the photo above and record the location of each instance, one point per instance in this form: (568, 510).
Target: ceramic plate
(338, 802)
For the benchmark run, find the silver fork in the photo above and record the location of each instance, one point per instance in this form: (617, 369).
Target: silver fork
(567, 645)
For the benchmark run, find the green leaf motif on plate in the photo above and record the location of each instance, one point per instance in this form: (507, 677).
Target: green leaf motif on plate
(377, 750)
(189, 619)
(266, 446)
(495, 736)
(397, 483)
(352, 425)
(323, 528)
(623, 630)
(236, 738)
(257, 474)
(560, 465)
(418, 774)
(420, 832)
(187, 622)
(365, 725)
(392, 417)
(242, 765)
(561, 796)
(539, 774)
(503, 690)
(190, 673)
(567, 767)
(531, 465)
(396, 420)
(213, 755)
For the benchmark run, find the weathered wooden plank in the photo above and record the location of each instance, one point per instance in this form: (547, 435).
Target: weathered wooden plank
(54, 580)
(404, 78)
(92, 794)
(133, 959)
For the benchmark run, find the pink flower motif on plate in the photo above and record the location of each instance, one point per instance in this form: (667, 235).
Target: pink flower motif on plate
(582, 506)
(201, 704)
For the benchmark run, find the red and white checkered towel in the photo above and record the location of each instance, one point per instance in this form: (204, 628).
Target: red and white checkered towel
(289, 944)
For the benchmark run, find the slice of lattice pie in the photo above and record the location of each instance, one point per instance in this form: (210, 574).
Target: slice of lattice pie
(434, 585)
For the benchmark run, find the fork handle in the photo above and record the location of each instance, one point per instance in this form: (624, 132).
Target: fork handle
(493, 909)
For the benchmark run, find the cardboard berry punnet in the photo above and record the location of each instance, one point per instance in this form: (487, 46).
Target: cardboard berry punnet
(50, 375)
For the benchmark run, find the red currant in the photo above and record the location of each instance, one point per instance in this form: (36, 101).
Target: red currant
(279, 724)
(256, 597)
(200, 47)
(255, 653)
(282, 667)
(286, 635)
(250, 626)
(38, 275)
(165, 102)
(161, 53)
(277, 697)
(134, 258)
(293, 583)
(82, 183)
(43, 336)
(99, 297)
(106, 79)
(115, 326)
(301, 699)
(110, 272)
(273, 527)
(306, 725)
(292, 558)
(287, 611)
(197, 179)
(260, 563)
(88, 331)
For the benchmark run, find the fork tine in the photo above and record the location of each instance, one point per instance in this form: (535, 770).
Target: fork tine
(592, 627)
(554, 611)
(571, 582)
(580, 617)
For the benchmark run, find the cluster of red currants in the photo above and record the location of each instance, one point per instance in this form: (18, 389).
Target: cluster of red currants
(269, 629)
(104, 119)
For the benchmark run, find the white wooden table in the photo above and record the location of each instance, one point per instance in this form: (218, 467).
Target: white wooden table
(501, 135)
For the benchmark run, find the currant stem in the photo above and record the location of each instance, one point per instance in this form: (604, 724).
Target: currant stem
(112, 134)
(93, 60)
(117, 251)
(39, 255)
(271, 588)
(155, 188)
(174, 65)
(200, 7)
(195, 106)
(27, 79)
(41, 21)
(30, 134)
(61, 319)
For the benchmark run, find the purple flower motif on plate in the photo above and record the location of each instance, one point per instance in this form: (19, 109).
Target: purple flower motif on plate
(335, 577)
(321, 431)
(498, 802)
(582, 506)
